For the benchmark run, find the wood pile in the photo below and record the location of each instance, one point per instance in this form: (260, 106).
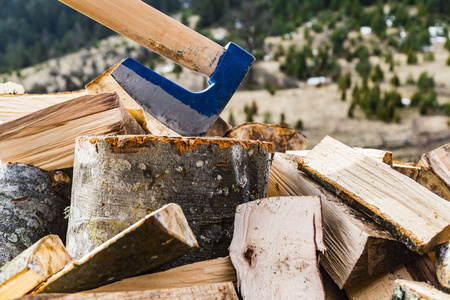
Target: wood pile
(147, 213)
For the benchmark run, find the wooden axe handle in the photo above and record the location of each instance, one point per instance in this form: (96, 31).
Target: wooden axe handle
(154, 30)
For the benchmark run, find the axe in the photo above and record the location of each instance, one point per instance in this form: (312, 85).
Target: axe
(188, 113)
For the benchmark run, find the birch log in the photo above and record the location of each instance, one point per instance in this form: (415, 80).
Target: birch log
(32, 206)
(43, 259)
(118, 179)
(151, 242)
(413, 214)
(357, 247)
(274, 248)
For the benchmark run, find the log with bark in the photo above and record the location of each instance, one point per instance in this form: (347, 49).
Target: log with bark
(153, 241)
(217, 291)
(274, 248)
(32, 204)
(43, 259)
(118, 179)
(413, 214)
(283, 137)
(357, 247)
(46, 138)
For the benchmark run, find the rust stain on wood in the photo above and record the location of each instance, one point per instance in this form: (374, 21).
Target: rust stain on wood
(133, 144)
(222, 164)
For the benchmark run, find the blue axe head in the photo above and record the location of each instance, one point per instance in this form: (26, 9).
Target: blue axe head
(185, 112)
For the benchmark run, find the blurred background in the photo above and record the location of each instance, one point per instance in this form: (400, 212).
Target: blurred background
(371, 74)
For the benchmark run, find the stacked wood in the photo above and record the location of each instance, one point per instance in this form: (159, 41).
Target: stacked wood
(283, 137)
(357, 247)
(32, 204)
(43, 259)
(46, 138)
(274, 248)
(205, 272)
(413, 214)
(16, 106)
(156, 239)
(219, 291)
(118, 179)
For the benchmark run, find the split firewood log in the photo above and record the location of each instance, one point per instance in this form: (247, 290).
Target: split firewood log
(274, 248)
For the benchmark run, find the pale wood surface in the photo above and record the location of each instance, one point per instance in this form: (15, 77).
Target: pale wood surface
(204, 272)
(425, 176)
(380, 155)
(44, 258)
(11, 88)
(46, 138)
(155, 31)
(416, 216)
(413, 290)
(158, 238)
(207, 177)
(357, 247)
(439, 161)
(215, 291)
(274, 248)
(16, 106)
(283, 137)
(442, 256)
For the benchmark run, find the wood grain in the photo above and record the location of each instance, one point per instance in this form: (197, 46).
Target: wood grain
(274, 248)
(439, 161)
(357, 247)
(46, 138)
(416, 216)
(154, 30)
(216, 291)
(158, 238)
(200, 273)
(411, 290)
(43, 259)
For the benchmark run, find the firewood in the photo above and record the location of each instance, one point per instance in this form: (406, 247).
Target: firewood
(32, 204)
(380, 155)
(283, 137)
(416, 216)
(43, 259)
(380, 287)
(16, 106)
(357, 247)
(438, 160)
(153, 241)
(204, 272)
(117, 179)
(274, 248)
(412, 290)
(425, 176)
(219, 128)
(219, 291)
(46, 138)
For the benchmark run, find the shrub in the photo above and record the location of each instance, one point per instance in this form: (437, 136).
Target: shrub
(412, 58)
(428, 56)
(377, 74)
(395, 81)
(267, 117)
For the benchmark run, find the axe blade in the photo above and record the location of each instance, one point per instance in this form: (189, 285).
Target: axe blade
(187, 113)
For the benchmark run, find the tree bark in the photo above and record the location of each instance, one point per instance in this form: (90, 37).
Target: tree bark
(31, 206)
(118, 179)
